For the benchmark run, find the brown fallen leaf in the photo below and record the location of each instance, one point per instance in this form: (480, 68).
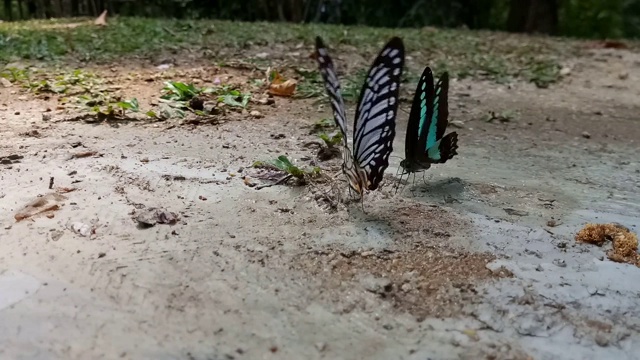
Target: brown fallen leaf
(43, 204)
(286, 88)
(248, 182)
(102, 19)
(64, 190)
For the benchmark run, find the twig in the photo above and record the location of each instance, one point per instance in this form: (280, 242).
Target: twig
(284, 179)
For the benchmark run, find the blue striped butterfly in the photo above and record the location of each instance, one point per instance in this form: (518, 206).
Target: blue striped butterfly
(428, 120)
(374, 124)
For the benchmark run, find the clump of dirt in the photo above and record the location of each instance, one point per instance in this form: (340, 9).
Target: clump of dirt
(625, 243)
(421, 274)
(424, 281)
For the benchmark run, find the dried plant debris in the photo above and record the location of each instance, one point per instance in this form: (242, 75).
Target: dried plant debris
(45, 204)
(625, 243)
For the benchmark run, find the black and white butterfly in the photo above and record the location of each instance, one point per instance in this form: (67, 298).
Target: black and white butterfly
(375, 120)
(428, 120)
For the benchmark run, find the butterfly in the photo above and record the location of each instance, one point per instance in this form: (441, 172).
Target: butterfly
(374, 123)
(428, 120)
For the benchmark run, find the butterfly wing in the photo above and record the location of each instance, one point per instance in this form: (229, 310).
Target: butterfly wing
(332, 86)
(419, 117)
(444, 149)
(437, 149)
(375, 122)
(441, 105)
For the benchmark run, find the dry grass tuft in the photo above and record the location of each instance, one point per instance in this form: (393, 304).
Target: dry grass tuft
(625, 243)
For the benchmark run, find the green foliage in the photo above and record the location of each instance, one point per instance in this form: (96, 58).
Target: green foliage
(464, 53)
(323, 124)
(594, 18)
(233, 97)
(332, 141)
(283, 163)
(178, 91)
(177, 95)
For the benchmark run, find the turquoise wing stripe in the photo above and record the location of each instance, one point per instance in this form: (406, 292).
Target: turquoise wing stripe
(431, 135)
(434, 152)
(423, 107)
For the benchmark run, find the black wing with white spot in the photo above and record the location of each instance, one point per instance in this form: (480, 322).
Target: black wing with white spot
(375, 123)
(332, 85)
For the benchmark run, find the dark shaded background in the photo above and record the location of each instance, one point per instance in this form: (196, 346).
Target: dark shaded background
(580, 18)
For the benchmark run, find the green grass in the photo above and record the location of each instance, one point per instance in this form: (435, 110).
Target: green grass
(478, 54)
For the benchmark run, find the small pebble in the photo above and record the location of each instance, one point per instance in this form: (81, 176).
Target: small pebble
(559, 263)
(586, 135)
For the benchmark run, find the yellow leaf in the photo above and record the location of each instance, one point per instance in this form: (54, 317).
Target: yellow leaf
(286, 88)
(472, 334)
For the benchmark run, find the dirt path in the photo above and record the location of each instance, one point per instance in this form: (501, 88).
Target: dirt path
(439, 271)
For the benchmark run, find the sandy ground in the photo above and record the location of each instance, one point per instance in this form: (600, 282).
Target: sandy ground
(438, 271)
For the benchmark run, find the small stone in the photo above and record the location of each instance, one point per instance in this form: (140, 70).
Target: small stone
(551, 223)
(515, 212)
(366, 253)
(266, 101)
(387, 327)
(592, 290)
(586, 135)
(601, 340)
(559, 263)
(406, 287)
(457, 123)
(321, 346)
(376, 285)
(101, 255)
(256, 114)
(539, 268)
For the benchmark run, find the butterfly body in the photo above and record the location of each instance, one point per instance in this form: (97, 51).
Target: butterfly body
(374, 123)
(425, 144)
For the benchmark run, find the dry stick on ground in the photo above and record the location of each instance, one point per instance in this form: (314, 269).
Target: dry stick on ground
(284, 179)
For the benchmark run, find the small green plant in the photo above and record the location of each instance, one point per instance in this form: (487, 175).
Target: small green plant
(232, 97)
(179, 91)
(283, 163)
(323, 124)
(118, 108)
(310, 86)
(502, 117)
(332, 141)
(177, 95)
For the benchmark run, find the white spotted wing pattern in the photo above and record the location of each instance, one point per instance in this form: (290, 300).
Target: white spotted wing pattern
(374, 124)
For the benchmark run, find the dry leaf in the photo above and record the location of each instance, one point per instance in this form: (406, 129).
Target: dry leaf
(102, 19)
(64, 190)
(84, 154)
(286, 88)
(44, 204)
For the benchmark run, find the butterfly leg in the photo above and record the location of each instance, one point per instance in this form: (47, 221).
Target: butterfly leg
(397, 185)
(400, 181)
